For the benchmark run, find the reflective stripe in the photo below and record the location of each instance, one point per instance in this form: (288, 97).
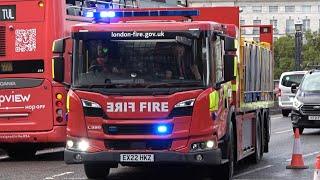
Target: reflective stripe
(235, 66)
(234, 87)
(53, 68)
(68, 103)
(214, 101)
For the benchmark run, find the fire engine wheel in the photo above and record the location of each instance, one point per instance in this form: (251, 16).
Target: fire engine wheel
(96, 171)
(257, 156)
(227, 169)
(22, 153)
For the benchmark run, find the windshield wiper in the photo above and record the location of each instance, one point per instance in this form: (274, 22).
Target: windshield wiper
(110, 85)
(175, 84)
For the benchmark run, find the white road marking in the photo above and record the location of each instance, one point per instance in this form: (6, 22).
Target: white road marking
(58, 175)
(3, 157)
(285, 131)
(276, 117)
(306, 155)
(252, 171)
(48, 151)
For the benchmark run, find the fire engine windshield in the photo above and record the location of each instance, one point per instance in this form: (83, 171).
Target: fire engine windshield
(138, 63)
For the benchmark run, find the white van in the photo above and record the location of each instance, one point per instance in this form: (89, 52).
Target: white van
(286, 96)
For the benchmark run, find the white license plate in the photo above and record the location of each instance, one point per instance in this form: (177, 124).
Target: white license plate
(136, 157)
(314, 118)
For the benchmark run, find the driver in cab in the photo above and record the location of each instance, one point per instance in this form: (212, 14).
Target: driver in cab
(103, 62)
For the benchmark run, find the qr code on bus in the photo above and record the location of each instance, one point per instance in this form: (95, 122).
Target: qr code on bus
(26, 40)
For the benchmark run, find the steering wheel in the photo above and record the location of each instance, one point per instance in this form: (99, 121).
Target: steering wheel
(95, 68)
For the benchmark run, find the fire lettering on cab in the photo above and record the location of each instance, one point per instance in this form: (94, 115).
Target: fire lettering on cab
(117, 107)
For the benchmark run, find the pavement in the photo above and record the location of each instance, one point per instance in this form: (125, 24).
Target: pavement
(49, 163)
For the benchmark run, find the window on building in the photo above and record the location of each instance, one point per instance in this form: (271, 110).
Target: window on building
(243, 30)
(257, 39)
(243, 8)
(274, 22)
(290, 8)
(319, 8)
(290, 26)
(273, 8)
(306, 8)
(256, 30)
(306, 25)
(256, 8)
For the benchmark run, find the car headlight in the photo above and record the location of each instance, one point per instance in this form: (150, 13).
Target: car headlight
(297, 104)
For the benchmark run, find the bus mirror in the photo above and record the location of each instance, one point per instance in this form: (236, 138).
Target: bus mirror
(230, 68)
(58, 69)
(229, 44)
(59, 46)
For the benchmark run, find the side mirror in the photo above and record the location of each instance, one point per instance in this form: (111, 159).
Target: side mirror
(230, 68)
(294, 88)
(59, 46)
(58, 69)
(229, 44)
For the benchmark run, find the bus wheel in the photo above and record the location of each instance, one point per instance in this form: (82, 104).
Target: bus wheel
(227, 169)
(22, 153)
(96, 171)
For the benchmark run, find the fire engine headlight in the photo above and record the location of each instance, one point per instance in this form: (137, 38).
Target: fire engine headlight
(70, 144)
(205, 145)
(83, 145)
(90, 104)
(186, 103)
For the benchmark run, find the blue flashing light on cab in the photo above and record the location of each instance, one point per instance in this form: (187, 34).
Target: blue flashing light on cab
(147, 13)
(163, 129)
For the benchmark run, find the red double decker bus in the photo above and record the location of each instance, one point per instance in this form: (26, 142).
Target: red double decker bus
(32, 105)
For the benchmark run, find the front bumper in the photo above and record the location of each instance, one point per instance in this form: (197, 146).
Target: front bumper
(300, 120)
(212, 157)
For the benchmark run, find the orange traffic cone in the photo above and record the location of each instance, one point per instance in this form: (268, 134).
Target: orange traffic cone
(317, 169)
(297, 159)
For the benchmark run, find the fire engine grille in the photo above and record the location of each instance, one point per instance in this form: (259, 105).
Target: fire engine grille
(311, 109)
(2, 41)
(138, 144)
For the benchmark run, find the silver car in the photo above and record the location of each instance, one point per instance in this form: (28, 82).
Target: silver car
(286, 97)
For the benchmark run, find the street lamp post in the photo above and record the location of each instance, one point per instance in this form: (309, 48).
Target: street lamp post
(298, 45)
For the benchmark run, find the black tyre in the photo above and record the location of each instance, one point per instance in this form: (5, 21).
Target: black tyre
(257, 156)
(226, 170)
(300, 130)
(96, 171)
(22, 153)
(267, 130)
(285, 113)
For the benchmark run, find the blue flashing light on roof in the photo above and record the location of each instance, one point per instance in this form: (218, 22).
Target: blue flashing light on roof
(89, 14)
(107, 14)
(148, 13)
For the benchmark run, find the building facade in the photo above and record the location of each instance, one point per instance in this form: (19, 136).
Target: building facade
(282, 14)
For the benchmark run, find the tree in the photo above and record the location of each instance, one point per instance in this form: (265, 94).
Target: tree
(284, 53)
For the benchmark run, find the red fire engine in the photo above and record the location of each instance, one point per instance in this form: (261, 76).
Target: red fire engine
(166, 86)
(32, 105)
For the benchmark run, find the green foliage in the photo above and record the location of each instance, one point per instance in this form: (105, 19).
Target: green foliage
(284, 50)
